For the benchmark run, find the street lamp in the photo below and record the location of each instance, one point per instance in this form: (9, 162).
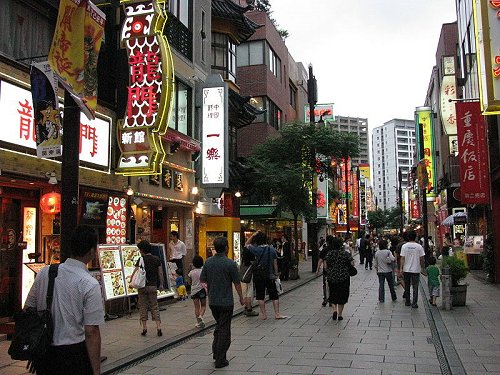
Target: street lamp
(312, 230)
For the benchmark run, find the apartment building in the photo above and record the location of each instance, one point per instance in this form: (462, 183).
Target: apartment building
(393, 147)
(358, 126)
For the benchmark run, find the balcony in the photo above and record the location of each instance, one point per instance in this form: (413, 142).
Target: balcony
(179, 36)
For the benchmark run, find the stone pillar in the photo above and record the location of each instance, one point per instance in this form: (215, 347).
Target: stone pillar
(446, 291)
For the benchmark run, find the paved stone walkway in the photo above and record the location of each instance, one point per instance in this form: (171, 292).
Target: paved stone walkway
(373, 338)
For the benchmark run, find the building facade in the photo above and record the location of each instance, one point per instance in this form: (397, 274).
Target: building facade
(393, 148)
(358, 126)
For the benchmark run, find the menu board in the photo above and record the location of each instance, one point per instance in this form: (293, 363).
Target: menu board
(112, 271)
(118, 264)
(116, 221)
(130, 255)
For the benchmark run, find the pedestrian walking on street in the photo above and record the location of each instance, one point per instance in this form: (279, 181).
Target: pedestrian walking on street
(403, 239)
(338, 262)
(265, 256)
(287, 257)
(367, 251)
(77, 311)
(177, 250)
(220, 273)
(383, 265)
(198, 291)
(248, 288)
(412, 263)
(148, 296)
(321, 264)
(433, 280)
(447, 244)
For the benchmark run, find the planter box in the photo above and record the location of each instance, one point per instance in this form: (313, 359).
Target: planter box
(458, 295)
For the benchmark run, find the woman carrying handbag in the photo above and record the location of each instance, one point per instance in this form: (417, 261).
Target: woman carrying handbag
(148, 294)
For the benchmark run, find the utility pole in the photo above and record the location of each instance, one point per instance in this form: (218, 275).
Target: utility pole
(425, 219)
(346, 176)
(69, 173)
(312, 229)
(400, 194)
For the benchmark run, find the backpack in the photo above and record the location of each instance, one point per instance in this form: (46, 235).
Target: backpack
(261, 271)
(34, 329)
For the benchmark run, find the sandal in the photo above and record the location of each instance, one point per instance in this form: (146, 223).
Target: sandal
(144, 331)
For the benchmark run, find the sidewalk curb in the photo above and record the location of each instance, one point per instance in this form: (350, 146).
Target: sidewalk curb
(145, 354)
(448, 358)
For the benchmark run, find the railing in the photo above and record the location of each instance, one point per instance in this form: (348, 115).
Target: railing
(179, 36)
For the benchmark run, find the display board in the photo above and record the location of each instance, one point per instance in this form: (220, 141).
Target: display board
(158, 249)
(117, 265)
(130, 255)
(112, 271)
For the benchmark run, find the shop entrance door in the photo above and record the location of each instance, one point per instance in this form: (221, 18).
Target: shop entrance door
(10, 257)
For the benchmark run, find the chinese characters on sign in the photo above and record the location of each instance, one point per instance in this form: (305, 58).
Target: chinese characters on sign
(474, 181)
(487, 35)
(214, 136)
(17, 109)
(150, 90)
(448, 115)
(423, 115)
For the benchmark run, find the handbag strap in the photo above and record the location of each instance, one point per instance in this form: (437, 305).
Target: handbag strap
(260, 257)
(50, 290)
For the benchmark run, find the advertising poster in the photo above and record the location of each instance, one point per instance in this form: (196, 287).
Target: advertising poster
(94, 207)
(112, 272)
(130, 255)
(116, 221)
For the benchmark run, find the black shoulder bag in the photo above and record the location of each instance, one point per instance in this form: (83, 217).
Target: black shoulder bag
(34, 329)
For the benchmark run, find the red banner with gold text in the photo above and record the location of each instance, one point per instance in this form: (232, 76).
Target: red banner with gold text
(472, 152)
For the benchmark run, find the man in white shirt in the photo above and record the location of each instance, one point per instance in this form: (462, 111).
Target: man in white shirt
(77, 311)
(177, 250)
(412, 263)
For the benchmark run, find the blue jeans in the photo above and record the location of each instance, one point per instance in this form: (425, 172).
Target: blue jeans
(411, 279)
(382, 277)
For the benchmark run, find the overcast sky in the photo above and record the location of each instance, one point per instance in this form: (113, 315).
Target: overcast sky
(372, 58)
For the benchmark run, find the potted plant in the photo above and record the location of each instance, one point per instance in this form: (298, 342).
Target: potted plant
(294, 268)
(458, 271)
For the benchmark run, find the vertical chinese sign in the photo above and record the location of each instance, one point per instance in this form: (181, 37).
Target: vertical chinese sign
(214, 134)
(487, 28)
(423, 115)
(75, 47)
(447, 95)
(150, 90)
(472, 153)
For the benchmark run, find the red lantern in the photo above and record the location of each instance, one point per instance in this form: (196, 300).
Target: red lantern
(50, 203)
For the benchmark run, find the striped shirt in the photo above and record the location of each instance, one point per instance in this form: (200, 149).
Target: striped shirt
(77, 301)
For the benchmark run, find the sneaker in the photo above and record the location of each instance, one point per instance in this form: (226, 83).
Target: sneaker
(407, 304)
(222, 364)
(251, 313)
(414, 306)
(324, 303)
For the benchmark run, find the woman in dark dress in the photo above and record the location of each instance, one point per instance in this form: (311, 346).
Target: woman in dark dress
(337, 268)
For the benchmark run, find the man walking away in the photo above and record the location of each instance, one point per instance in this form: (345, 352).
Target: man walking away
(412, 262)
(358, 245)
(220, 273)
(76, 309)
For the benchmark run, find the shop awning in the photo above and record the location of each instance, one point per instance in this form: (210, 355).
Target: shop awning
(257, 211)
(264, 212)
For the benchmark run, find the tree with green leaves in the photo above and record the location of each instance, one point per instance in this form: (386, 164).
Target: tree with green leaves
(265, 6)
(284, 166)
(377, 219)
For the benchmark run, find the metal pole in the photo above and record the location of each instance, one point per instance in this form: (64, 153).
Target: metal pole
(424, 198)
(69, 173)
(400, 193)
(346, 170)
(312, 229)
